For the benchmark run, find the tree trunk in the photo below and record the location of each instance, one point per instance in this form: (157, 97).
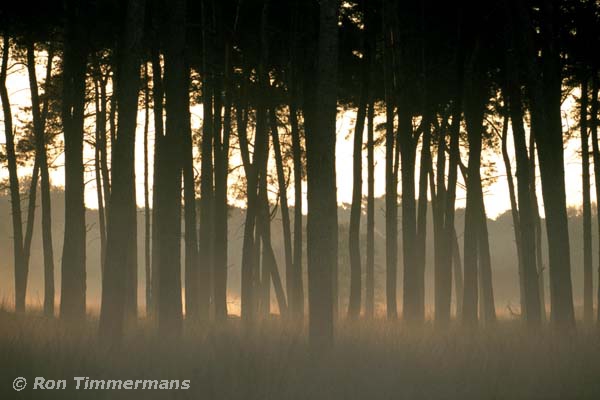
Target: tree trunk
(356, 208)
(169, 186)
(195, 306)
(421, 232)
(206, 229)
(538, 226)
(514, 210)
(285, 213)
(269, 272)
(147, 212)
(98, 175)
(73, 271)
(250, 243)
(322, 228)
(391, 183)
(588, 283)
(441, 267)
(545, 89)
(296, 296)
(443, 276)
(370, 264)
(157, 103)
(39, 122)
(119, 283)
(21, 270)
(596, 158)
(458, 275)
(488, 308)
(221, 205)
(475, 100)
(532, 309)
(101, 153)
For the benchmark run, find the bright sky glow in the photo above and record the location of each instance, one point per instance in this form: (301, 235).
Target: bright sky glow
(496, 194)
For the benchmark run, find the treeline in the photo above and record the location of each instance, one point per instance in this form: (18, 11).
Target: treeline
(449, 78)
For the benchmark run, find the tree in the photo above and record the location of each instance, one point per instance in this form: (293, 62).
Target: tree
(595, 155)
(545, 97)
(391, 178)
(40, 112)
(588, 283)
(221, 149)
(285, 214)
(119, 281)
(475, 102)
(21, 268)
(322, 204)
(206, 229)
(168, 185)
(356, 208)
(73, 267)
(147, 212)
(295, 285)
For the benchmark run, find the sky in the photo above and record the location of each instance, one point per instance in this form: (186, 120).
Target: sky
(496, 194)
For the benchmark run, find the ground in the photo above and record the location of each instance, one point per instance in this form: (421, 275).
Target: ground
(370, 360)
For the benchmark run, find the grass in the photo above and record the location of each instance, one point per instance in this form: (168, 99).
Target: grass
(371, 360)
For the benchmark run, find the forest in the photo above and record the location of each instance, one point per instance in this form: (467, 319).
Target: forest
(300, 198)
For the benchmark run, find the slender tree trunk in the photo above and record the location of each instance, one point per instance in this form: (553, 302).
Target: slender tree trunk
(221, 205)
(206, 229)
(103, 144)
(15, 196)
(39, 121)
(296, 296)
(169, 187)
(119, 283)
(285, 213)
(147, 211)
(356, 208)
(98, 176)
(488, 314)
(195, 306)
(391, 189)
(322, 228)
(270, 271)
(532, 309)
(475, 101)
(112, 120)
(31, 204)
(588, 284)
(370, 265)
(545, 89)
(458, 275)
(421, 233)
(538, 226)
(73, 268)
(443, 278)
(439, 203)
(261, 156)
(514, 211)
(250, 244)
(596, 158)
(157, 102)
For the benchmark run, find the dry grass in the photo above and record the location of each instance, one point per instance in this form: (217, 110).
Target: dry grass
(376, 360)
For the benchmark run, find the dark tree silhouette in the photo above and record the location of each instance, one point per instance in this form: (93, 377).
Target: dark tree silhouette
(73, 268)
(322, 204)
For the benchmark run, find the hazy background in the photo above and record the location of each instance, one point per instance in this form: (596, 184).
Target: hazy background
(501, 234)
